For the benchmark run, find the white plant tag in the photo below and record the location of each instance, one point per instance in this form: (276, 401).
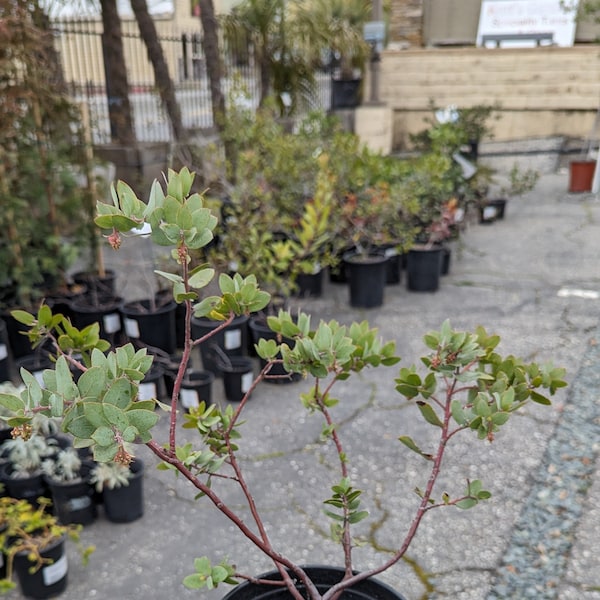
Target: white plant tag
(489, 212)
(39, 377)
(56, 571)
(132, 328)
(112, 323)
(189, 398)
(233, 339)
(147, 391)
(3, 351)
(247, 379)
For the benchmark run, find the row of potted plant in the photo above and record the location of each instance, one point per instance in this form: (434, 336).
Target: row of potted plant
(49, 491)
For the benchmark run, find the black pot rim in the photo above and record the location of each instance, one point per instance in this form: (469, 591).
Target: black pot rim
(373, 257)
(248, 590)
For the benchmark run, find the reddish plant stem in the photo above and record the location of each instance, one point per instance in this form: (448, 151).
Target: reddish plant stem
(424, 505)
(346, 537)
(264, 546)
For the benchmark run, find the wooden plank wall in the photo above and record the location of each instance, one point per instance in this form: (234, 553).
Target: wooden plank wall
(542, 91)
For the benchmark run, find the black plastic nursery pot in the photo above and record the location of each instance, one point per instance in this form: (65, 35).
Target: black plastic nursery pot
(196, 387)
(23, 488)
(18, 343)
(232, 340)
(345, 93)
(95, 284)
(310, 285)
(153, 327)
(73, 502)
(106, 313)
(367, 276)
(394, 267)
(500, 205)
(126, 503)
(323, 577)
(238, 375)
(446, 260)
(423, 268)
(50, 580)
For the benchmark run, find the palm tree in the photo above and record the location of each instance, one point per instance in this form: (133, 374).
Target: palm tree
(269, 27)
(335, 28)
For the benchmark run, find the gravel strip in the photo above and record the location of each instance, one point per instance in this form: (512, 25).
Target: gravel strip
(536, 559)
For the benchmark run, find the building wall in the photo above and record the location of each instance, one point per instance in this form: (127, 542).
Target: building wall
(406, 22)
(542, 91)
(79, 44)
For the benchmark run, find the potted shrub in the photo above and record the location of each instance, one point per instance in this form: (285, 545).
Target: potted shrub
(430, 257)
(377, 221)
(520, 181)
(466, 387)
(366, 264)
(33, 542)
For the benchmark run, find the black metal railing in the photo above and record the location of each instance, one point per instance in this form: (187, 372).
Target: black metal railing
(78, 42)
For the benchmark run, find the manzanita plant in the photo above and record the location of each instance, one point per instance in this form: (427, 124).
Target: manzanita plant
(467, 386)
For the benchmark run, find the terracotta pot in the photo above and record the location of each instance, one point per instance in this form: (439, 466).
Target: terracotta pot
(581, 175)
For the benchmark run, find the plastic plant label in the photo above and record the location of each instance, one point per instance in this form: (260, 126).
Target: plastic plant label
(3, 351)
(132, 328)
(39, 377)
(247, 379)
(489, 212)
(147, 391)
(112, 323)
(189, 398)
(56, 571)
(233, 339)
(79, 503)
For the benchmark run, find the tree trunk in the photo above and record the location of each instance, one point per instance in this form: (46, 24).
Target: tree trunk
(162, 78)
(117, 86)
(210, 45)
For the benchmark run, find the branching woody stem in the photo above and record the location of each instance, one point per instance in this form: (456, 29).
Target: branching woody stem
(424, 505)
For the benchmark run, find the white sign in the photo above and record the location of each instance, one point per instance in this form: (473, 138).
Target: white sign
(509, 23)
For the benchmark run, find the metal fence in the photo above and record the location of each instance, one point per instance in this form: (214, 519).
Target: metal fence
(79, 45)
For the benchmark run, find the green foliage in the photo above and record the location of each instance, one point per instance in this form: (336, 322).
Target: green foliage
(520, 181)
(335, 27)
(346, 500)
(28, 529)
(209, 576)
(41, 162)
(482, 389)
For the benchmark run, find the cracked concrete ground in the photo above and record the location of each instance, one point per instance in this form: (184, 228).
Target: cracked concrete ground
(523, 278)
